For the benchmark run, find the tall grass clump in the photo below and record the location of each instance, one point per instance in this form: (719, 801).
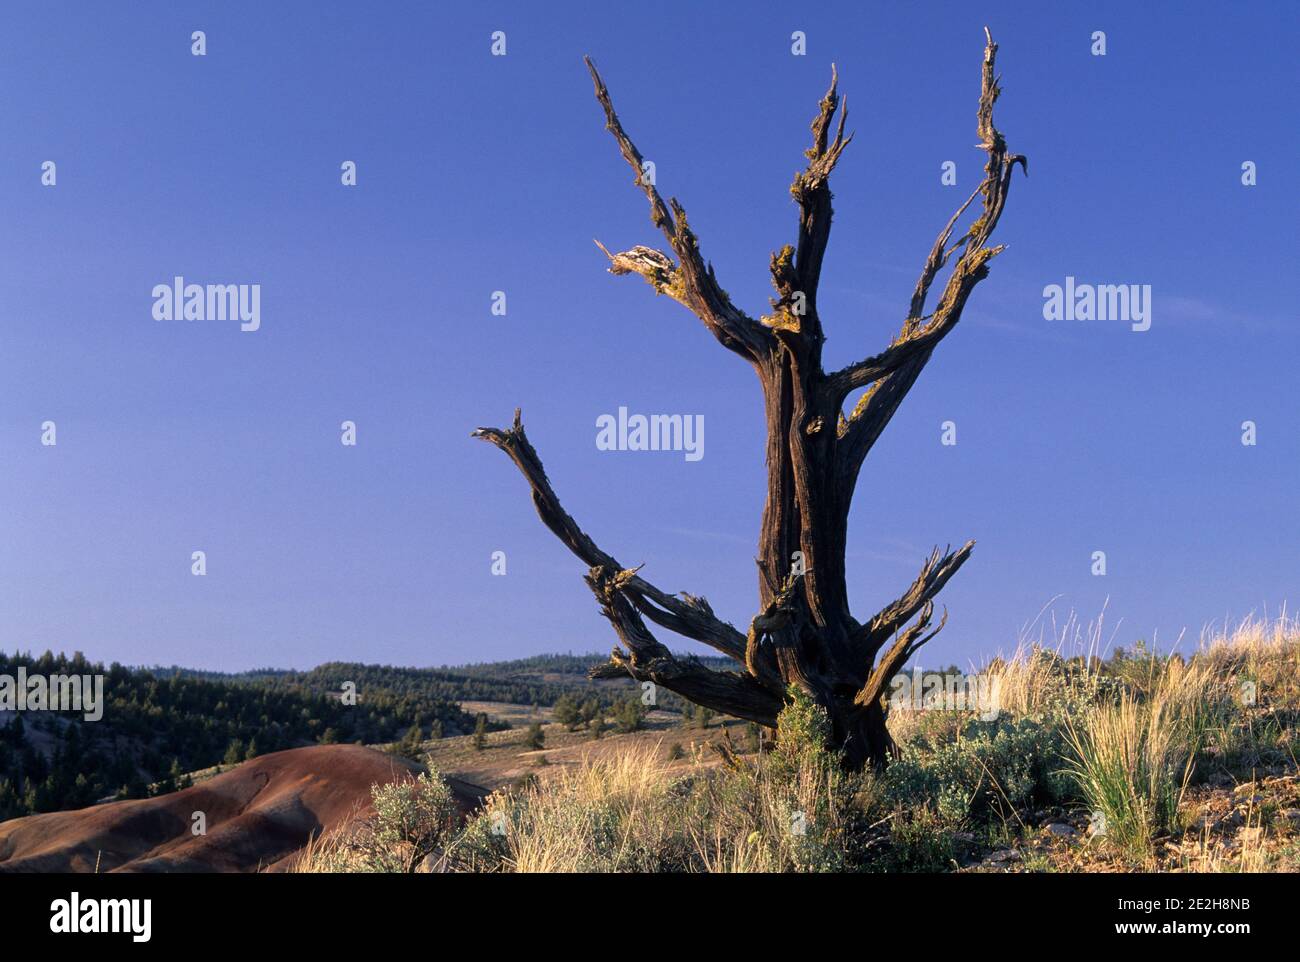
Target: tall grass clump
(1131, 760)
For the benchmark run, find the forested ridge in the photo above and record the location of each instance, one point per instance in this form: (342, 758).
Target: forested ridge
(159, 723)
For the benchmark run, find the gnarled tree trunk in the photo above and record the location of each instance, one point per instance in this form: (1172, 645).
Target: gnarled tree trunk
(804, 633)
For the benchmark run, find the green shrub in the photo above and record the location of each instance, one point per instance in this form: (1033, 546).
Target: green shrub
(629, 715)
(411, 745)
(921, 842)
(412, 820)
(802, 732)
(989, 769)
(567, 712)
(535, 739)
(480, 732)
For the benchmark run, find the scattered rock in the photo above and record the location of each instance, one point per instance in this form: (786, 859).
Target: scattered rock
(1060, 830)
(1004, 856)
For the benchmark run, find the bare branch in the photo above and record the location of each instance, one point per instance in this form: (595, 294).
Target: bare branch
(894, 659)
(936, 571)
(647, 660)
(656, 267)
(691, 282)
(811, 189)
(684, 614)
(911, 349)
(939, 255)
(910, 342)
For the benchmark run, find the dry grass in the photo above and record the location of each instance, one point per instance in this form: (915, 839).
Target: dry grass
(1132, 763)
(331, 852)
(634, 811)
(507, 757)
(1259, 651)
(1145, 740)
(1138, 729)
(599, 813)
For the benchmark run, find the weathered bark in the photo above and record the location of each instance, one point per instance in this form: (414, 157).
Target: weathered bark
(804, 633)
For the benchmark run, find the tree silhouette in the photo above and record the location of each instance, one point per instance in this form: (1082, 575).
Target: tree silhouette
(803, 634)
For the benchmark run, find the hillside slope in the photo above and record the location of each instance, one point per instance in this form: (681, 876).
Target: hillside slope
(258, 814)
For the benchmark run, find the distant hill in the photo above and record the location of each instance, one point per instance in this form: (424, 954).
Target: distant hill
(257, 816)
(157, 725)
(537, 680)
(160, 722)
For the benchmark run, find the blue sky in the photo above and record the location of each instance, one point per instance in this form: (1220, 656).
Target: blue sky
(479, 173)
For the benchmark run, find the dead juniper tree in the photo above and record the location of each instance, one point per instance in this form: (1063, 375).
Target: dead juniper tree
(803, 633)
